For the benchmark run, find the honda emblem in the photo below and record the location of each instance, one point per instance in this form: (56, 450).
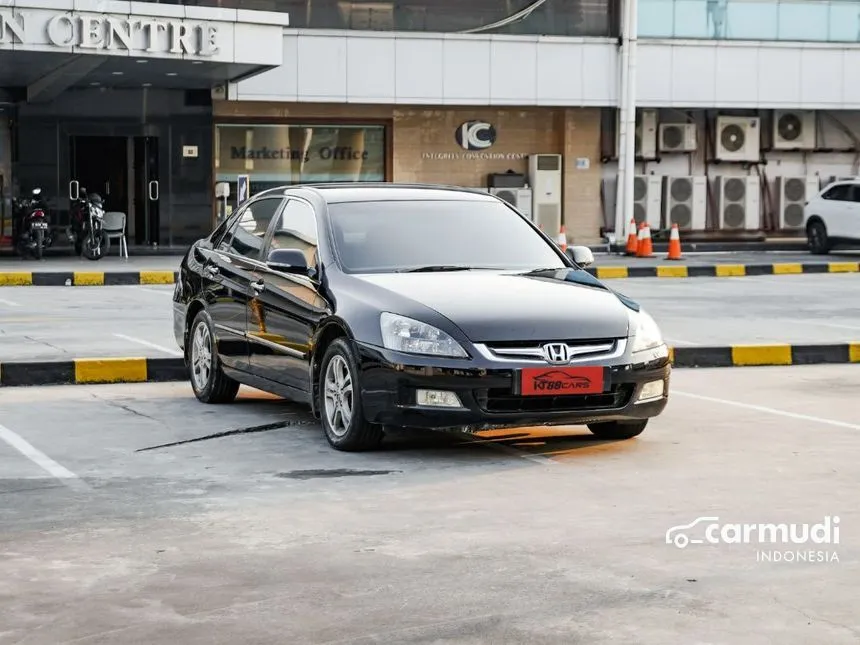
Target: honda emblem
(557, 353)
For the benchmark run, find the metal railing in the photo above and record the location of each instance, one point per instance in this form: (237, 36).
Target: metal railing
(836, 21)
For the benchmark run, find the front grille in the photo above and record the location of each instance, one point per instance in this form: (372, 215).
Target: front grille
(578, 350)
(501, 400)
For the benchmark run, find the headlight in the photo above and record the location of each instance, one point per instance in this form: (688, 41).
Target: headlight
(403, 334)
(646, 333)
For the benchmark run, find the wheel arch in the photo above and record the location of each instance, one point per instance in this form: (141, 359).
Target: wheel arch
(812, 219)
(194, 308)
(327, 333)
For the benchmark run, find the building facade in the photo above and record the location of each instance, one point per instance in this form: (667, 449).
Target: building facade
(743, 108)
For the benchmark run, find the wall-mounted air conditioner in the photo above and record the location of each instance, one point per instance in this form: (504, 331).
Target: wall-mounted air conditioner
(738, 203)
(647, 200)
(646, 136)
(219, 92)
(678, 137)
(685, 202)
(794, 130)
(738, 138)
(545, 180)
(519, 198)
(792, 194)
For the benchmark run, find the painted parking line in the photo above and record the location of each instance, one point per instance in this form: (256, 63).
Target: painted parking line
(16, 441)
(767, 410)
(9, 303)
(146, 343)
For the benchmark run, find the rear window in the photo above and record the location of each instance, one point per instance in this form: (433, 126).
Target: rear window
(372, 237)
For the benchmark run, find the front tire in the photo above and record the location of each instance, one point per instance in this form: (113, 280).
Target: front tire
(617, 430)
(40, 243)
(340, 401)
(816, 235)
(208, 380)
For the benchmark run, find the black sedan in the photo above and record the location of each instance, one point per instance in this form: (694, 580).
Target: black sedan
(385, 305)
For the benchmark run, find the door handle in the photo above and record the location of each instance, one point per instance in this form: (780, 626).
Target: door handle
(153, 191)
(258, 286)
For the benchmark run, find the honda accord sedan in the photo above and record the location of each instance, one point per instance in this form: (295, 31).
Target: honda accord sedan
(385, 305)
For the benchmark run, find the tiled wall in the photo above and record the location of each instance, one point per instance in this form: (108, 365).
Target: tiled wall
(421, 135)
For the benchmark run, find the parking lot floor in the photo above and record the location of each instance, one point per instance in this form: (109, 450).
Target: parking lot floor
(266, 535)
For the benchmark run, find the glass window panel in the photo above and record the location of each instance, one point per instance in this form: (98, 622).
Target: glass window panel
(844, 22)
(697, 18)
(656, 18)
(752, 20)
(277, 155)
(804, 21)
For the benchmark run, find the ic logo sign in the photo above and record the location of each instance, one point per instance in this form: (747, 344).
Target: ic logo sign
(475, 135)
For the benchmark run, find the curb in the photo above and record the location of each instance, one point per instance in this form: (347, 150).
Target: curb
(127, 278)
(91, 371)
(85, 278)
(722, 270)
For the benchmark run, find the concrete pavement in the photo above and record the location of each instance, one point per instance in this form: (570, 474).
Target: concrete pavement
(552, 538)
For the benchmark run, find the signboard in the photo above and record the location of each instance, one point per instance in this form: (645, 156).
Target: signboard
(475, 138)
(242, 189)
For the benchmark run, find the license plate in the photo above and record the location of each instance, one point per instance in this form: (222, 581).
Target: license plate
(561, 381)
(40, 224)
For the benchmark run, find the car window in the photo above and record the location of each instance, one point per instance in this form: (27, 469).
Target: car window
(218, 234)
(854, 193)
(837, 193)
(247, 236)
(395, 235)
(296, 228)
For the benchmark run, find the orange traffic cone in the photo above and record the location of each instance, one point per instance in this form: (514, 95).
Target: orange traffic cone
(561, 239)
(645, 248)
(674, 244)
(632, 238)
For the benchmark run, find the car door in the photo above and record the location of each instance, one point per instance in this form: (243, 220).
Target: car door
(228, 273)
(851, 222)
(287, 306)
(835, 206)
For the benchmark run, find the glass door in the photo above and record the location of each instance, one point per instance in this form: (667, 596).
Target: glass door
(147, 191)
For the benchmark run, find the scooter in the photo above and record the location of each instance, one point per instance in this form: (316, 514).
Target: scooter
(33, 233)
(86, 231)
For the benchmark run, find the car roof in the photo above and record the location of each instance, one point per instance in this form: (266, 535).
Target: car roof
(376, 192)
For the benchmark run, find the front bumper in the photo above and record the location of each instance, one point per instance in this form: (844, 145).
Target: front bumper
(489, 396)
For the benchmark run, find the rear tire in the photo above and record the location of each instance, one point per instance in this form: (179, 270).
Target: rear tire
(816, 235)
(208, 380)
(40, 242)
(340, 401)
(618, 429)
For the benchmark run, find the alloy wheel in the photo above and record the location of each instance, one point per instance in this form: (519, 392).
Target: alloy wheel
(338, 399)
(201, 356)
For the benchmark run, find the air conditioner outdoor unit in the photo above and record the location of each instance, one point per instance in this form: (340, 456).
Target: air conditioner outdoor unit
(678, 137)
(647, 199)
(685, 202)
(545, 180)
(519, 198)
(739, 203)
(646, 136)
(219, 92)
(738, 138)
(792, 193)
(794, 130)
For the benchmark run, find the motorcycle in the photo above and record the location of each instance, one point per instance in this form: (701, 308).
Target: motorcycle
(86, 231)
(33, 234)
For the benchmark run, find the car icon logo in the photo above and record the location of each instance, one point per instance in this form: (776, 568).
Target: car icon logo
(678, 535)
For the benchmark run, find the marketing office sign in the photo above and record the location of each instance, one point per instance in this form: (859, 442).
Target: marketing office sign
(107, 33)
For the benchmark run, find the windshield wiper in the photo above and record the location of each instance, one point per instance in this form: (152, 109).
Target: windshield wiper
(438, 267)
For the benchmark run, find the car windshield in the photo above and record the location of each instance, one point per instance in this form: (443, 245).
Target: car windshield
(449, 235)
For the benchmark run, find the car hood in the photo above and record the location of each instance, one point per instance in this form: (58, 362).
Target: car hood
(566, 304)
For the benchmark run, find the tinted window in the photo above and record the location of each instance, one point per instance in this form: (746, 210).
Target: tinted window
(392, 235)
(854, 193)
(837, 193)
(247, 236)
(297, 229)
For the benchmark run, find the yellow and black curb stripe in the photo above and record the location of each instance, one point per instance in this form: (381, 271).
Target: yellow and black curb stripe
(85, 278)
(84, 371)
(721, 270)
(92, 370)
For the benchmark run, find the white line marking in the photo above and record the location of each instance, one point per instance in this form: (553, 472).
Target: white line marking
(679, 342)
(823, 324)
(9, 303)
(41, 459)
(761, 408)
(169, 292)
(140, 341)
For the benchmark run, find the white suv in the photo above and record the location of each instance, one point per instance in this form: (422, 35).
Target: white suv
(833, 216)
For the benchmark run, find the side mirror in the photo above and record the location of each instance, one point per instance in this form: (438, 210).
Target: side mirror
(582, 255)
(287, 261)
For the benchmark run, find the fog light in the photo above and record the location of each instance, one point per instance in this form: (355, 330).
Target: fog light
(437, 399)
(651, 391)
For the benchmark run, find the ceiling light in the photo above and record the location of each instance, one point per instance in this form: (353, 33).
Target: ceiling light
(197, 62)
(95, 83)
(117, 73)
(141, 60)
(147, 85)
(172, 74)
